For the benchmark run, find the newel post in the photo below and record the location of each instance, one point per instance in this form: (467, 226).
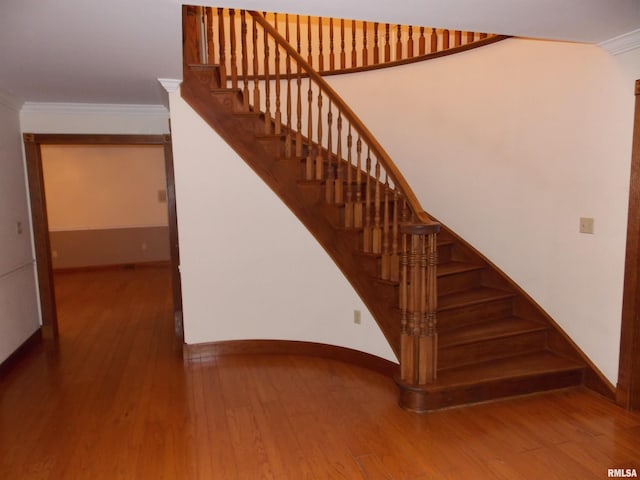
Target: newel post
(418, 307)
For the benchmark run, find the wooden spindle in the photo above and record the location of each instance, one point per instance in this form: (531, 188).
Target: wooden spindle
(278, 114)
(288, 138)
(470, 37)
(421, 43)
(406, 339)
(376, 235)
(338, 189)
(319, 159)
(232, 48)
(267, 87)
(348, 208)
(445, 39)
(376, 47)
(482, 36)
(211, 51)
(343, 54)
(192, 46)
(399, 42)
(387, 43)
(332, 58)
(394, 272)
(365, 52)
(366, 233)
(309, 46)
(385, 265)
(357, 207)
(256, 68)
(354, 54)
(331, 168)
(244, 60)
(309, 169)
(320, 46)
(457, 38)
(222, 68)
(410, 43)
(434, 40)
(298, 94)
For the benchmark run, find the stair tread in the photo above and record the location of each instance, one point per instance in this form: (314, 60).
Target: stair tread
(491, 329)
(519, 366)
(471, 297)
(453, 267)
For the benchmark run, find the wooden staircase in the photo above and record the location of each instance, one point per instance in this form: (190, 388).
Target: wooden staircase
(492, 340)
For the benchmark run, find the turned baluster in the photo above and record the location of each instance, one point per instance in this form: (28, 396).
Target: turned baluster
(421, 42)
(410, 43)
(256, 68)
(376, 48)
(385, 270)
(245, 60)
(331, 169)
(332, 60)
(428, 343)
(288, 139)
(232, 47)
(319, 160)
(309, 170)
(399, 42)
(387, 43)
(366, 233)
(457, 38)
(434, 40)
(470, 36)
(376, 236)
(222, 67)
(338, 189)
(267, 87)
(348, 208)
(320, 47)
(394, 262)
(445, 39)
(354, 54)
(298, 94)
(278, 115)
(309, 43)
(365, 52)
(211, 51)
(343, 53)
(357, 207)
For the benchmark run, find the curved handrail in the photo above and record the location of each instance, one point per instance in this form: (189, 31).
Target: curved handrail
(392, 170)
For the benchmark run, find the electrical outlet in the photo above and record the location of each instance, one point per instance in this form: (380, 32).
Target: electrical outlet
(586, 225)
(357, 317)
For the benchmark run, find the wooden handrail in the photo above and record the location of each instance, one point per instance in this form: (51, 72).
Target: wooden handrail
(392, 170)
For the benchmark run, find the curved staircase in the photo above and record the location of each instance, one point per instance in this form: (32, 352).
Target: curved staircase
(482, 335)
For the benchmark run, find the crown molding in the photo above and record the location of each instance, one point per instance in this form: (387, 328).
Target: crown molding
(96, 109)
(622, 43)
(10, 101)
(171, 85)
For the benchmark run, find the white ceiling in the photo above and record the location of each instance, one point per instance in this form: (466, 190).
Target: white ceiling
(113, 51)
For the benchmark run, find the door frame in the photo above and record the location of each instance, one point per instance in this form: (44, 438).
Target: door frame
(40, 223)
(628, 387)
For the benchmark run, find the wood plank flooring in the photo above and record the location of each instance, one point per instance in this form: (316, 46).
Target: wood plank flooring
(114, 401)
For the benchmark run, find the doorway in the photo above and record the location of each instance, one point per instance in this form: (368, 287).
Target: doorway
(34, 144)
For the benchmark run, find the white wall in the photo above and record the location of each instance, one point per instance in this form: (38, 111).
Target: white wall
(19, 316)
(510, 145)
(104, 186)
(250, 270)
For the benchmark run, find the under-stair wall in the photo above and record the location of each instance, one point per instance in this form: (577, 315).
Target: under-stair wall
(509, 145)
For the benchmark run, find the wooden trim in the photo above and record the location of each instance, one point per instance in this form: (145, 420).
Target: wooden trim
(33, 158)
(21, 352)
(628, 388)
(209, 351)
(114, 266)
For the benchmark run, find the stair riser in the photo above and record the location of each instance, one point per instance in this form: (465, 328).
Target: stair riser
(490, 349)
(455, 317)
(444, 253)
(458, 282)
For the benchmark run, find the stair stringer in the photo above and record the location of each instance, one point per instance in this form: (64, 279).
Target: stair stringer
(222, 112)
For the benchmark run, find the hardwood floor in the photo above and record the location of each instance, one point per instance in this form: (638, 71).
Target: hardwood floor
(115, 401)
